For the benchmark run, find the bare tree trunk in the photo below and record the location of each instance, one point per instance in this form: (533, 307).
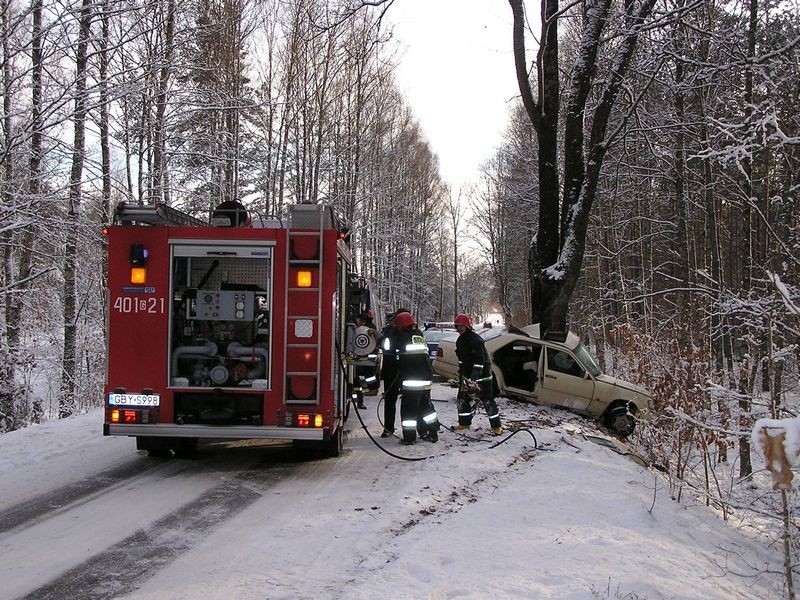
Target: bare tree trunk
(786, 515)
(560, 243)
(745, 464)
(24, 269)
(8, 416)
(680, 266)
(543, 114)
(159, 166)
(18, 280)
(105, 146)
(8, 174)
(66, 401)
(455, 221)
(289, 108)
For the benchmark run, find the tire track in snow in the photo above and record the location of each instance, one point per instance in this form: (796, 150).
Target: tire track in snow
(122, 568)
(49, 503)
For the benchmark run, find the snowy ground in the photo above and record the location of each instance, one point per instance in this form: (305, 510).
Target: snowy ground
(86, 516)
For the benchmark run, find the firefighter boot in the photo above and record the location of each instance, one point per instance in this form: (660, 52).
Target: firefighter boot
(360, 399)
(497, 428)
(494, 416)
(409, 430)
(431, 436)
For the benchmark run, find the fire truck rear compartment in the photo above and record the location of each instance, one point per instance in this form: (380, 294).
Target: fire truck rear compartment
(220, 318)
(218, 409)
(238, 332)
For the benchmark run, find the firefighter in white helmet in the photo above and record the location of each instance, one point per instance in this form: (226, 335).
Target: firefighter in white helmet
(415, 375)
(474, 368)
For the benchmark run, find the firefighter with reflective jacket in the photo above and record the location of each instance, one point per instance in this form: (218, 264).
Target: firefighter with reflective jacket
(391, 382)
(474, 376)
(415, 375)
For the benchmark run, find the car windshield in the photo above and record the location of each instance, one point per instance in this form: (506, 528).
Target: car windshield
(587, 360)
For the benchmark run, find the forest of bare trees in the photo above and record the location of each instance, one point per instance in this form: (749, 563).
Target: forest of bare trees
(693, 243)
(269, 102)
(689, 277)
(671, 159)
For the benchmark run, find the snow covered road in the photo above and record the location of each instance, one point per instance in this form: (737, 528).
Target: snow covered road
(83, 516)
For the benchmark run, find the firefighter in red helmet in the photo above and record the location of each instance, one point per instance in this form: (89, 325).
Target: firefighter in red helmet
(415, 375)
(391, 381)
(474, 368)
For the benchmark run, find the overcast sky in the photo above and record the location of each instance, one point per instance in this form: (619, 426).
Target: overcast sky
(457, 72)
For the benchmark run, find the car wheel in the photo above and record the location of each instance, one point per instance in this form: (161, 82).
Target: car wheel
(620, 421)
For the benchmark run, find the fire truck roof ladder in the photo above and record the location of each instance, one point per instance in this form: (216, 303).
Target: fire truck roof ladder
(154, 214)
(312, 216)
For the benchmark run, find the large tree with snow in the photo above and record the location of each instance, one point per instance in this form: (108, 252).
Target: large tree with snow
(557, 250)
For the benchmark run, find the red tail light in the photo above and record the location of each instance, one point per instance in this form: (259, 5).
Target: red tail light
(311, 420)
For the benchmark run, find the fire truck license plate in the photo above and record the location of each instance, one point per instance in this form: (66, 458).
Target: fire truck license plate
(134, 399)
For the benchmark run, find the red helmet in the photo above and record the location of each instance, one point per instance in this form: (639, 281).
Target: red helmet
(403, 320)
(463, 319)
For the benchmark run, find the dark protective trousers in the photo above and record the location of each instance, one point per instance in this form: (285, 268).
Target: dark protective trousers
(391, 389)
(370, 380)
(417, 414)
(465, 401)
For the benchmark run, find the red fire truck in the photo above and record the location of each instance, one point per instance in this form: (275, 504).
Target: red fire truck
(228, 332)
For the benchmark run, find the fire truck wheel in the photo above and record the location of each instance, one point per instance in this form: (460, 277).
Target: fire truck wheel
(156, 447)
(159, 453)
(185, 447)
(310, 450)
(335, 445)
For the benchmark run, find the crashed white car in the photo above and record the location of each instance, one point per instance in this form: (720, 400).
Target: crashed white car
(554, 372)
